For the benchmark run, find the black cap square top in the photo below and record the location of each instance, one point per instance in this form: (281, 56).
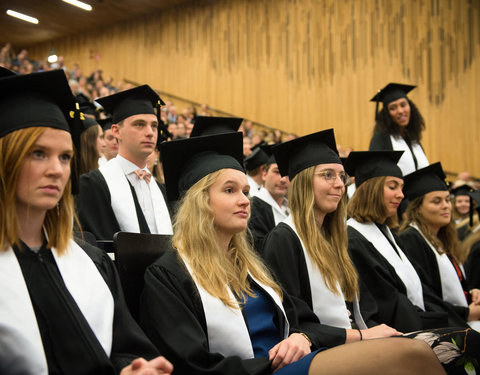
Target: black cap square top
(140, 100)
(462, 190)
(210, 125)
(187, 161)
(37, 99)
(365, 165)
(392, 92)
(424, 181)
(260, 155)
(298, 154)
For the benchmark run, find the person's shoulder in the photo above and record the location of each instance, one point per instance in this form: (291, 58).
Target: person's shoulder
(171, 264)
(97, 255)
(380, 141)
(93, 177)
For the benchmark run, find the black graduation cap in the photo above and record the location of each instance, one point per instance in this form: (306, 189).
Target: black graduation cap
(137, 101)
(304, 152)
(187, 161)
(210, 125)
(40, 99)
(390, 93)
(462, 190)
(368, 164)
(86, 106)
(105, 123)
(88, 122)
(260, 155)
(425, 180)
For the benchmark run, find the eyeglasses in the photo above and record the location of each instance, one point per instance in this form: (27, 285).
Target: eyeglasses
(330, 176)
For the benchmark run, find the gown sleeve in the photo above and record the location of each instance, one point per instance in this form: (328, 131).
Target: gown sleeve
(93, 206)
(129, 341)
(383, 297)
(261, 222)
(283, 254)
(172, 316)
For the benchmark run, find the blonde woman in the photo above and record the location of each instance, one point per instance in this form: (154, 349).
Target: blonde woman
(61, 307)
(212, 306)
(308, 250)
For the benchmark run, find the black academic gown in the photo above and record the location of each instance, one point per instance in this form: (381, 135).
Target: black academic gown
(283, 251)
(70, 346)
(472, 266)
(172, 315)
(423, 259)
(95, 212)
(383, 296)
(261, 221)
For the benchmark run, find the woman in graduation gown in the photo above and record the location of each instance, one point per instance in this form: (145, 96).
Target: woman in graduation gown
(210, 304)
(399, 126)
(308, 251)
(430, 241)
(61, 307)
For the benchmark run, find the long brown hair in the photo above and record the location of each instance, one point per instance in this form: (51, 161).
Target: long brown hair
(15, 147)
(89, 151)
(195, 240)
(446, 241)
(367, 204)
(327, 247)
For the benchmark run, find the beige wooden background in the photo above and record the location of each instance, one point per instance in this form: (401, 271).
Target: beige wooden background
(306, 65)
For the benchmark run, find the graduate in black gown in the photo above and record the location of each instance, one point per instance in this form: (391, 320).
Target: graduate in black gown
(391, 291)
(62, 309)
(308, 251)
(121, 195)
(399, 126)
(430, 240)
(210, 304)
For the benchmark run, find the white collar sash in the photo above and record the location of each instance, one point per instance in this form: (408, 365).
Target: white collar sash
(226, 327)
(18, 327)
(452, 290)
(329, 307)
(123, 205)
(397, 259)
(279, 213)
(406, 163)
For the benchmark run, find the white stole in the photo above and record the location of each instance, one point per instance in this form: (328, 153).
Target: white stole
(226, 327)
(399, 261)
(406, 163)
(452, 290)
(123, 205)
(329, 307)
(279, 214)
(18, 326)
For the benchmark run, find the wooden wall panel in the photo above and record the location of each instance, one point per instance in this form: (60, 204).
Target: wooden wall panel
(305, 65)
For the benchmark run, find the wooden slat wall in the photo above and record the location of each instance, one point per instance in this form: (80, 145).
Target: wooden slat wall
(305, 65)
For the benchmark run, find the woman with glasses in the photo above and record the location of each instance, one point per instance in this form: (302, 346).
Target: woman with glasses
(308, 251)
(211, 305)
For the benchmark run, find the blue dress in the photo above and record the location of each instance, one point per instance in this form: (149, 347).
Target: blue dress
(260, 314)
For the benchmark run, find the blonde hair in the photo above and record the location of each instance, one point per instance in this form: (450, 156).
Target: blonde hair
(15, 148)
(327, 247)
(367, 203)
(195, 240)
(446, 241)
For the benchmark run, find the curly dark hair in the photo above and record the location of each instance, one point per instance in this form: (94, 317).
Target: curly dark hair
(385, 125)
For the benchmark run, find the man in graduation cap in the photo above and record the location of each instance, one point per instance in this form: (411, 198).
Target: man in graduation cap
(399, 126)
(269, 206)
(255, 166)
(121, 195)
(111, 144)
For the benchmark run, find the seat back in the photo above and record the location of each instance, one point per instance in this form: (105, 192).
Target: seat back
(134, 252)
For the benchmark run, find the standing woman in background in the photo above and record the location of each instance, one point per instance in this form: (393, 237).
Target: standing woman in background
(61, 305)
(399, 126)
